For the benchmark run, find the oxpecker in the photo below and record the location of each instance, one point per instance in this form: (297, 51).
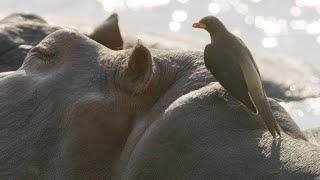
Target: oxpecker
(231, 63)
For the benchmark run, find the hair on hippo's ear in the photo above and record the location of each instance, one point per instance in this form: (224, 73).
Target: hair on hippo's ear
(108, 33)
(135, 73)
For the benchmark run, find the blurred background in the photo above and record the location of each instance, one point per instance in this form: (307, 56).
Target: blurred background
(288, 28)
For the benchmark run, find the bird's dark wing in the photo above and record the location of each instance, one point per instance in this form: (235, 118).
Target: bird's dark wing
(256, 89)
(257, 93)
(225, 68)
(250, 55)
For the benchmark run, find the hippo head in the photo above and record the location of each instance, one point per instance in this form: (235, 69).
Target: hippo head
(75, 100)
(19, 32)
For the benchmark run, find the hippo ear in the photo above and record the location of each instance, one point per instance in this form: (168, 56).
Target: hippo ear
(108, 33)
(135, 74)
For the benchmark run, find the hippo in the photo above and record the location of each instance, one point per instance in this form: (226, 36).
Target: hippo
(76, 109)
(19, 32)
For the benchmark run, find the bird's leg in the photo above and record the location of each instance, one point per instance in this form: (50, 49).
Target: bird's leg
(230, 100)
(224, 96)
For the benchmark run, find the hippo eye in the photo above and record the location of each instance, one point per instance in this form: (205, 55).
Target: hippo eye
(45, 51)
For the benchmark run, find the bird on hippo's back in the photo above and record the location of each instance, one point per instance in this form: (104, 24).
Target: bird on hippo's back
(231, 63)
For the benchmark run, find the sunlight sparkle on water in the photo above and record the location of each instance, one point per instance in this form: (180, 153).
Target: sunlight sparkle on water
(232, 2)
(242, 8)
(153, 3)
(183, 1)
(295, 11)
(255, 1)
(313, 28)
(298, 24)
(318, 39)
(112, 5)
(303, 3)
(258, 21)
(214, 8)
(318, 9)
(179, 15)
(300, 113)
(269, 42)
(315, 106)
(174, 26)
(271, 27)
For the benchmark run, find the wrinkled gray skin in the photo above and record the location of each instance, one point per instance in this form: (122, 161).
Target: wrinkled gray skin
(20, 32)
(78, 110)
(313, 135)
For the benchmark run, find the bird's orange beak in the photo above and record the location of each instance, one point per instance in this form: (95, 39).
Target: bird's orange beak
(199, 25)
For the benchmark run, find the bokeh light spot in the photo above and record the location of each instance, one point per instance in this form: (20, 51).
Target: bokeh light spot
(179, 15)
(174, 26)
(318, 39)
(255, 1)
(298, 24)
(242, 8)
(214, 8)
(269, 42)
(295, 11)
(183, 1)
(313, 28)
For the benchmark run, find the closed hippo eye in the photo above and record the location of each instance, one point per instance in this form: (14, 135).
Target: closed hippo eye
(45, 51)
